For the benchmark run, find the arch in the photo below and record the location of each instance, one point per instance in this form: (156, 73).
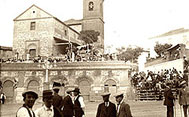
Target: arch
(30, 79)
(110, 85)
(33, 85)
(107, 78)
(8, 89)
(80, 78)
(84, 83)
(32, 46)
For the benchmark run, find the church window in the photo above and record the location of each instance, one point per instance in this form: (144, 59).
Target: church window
(91, 6)
(32, 26)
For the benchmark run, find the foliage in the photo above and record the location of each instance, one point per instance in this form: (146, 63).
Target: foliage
(89, 36)
(158, 48)
(129, 54)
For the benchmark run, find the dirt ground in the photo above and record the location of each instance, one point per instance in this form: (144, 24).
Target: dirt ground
(138, 109)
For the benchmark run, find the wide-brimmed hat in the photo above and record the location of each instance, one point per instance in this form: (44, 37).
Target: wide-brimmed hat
(69, 90)
(56, 85)
(30, 92)
(47, 93)
(77, 90)
(105, 94)
(119, 94)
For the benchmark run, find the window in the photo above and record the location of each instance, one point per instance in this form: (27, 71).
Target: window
(91, 6)
(32, 26)
(65, 32)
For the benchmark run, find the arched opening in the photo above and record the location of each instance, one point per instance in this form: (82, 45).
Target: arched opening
(34, 86)
(8, 90)
(85, 88)
(110, 86)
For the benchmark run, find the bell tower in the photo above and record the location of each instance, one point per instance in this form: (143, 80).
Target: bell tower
(93, 18)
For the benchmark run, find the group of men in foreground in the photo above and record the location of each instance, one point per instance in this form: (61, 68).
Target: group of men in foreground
(71, 106)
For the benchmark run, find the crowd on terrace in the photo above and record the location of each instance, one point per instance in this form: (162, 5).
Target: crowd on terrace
(81, 54)
(157, 81)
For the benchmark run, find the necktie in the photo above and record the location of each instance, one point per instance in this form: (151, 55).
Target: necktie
(117, 107)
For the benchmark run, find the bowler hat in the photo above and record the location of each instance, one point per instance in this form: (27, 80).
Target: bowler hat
(77, 90)
(105, 94)
(47, 93)
(30, 92)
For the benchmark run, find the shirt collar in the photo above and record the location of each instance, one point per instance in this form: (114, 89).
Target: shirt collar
(51, 108)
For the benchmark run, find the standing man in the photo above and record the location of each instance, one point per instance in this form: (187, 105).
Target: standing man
(169, 98)
(79, 105)
(68, 104)
(29, 98)
(107, 108)
(123, 109)
(47, 110)
(3, 98)
(57, 99)
(184, 97)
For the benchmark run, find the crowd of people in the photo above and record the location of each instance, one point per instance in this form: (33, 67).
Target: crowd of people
(78, 55)
(71, 105)
(158, 80)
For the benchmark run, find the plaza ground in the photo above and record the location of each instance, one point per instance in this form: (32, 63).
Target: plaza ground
(138, 109)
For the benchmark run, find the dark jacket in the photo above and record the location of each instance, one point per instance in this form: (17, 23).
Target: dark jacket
(68, 106)
(57, 112)
(169, 98)
(184, 96)
(77, 108)
(104, 111)
(57, 101)
(124, 110)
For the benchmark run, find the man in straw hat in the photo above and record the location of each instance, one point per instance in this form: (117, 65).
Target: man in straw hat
(57, 99)
(107, 108)
(47, 110)
(79, 105)
(29, 98)
(67, 108)
(169, 99)
(184, 97)
(123, 109)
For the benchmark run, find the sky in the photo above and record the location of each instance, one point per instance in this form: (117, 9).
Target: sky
(127, 22)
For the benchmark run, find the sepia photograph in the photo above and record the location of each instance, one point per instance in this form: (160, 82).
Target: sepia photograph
(94, 58)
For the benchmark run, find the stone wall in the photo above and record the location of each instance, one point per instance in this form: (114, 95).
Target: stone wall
(90, 77)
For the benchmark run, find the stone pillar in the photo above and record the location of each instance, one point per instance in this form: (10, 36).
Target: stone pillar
(46, 86)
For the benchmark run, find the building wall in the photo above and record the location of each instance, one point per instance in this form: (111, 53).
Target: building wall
(156, 66)
(95, 74)
(181, 38)
(42, 36)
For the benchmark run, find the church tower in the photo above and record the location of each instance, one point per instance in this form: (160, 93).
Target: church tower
(93, 18)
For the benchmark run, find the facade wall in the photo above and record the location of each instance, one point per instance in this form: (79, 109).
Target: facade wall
(182, 38)
(178, 64)
(72, 74)
(41, 37)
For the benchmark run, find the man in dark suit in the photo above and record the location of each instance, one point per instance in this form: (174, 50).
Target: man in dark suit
(107, 108)
(68, 107)
(123, 109)
(57, 99)
(169, 100)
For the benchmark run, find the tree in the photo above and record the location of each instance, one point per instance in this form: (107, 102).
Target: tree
(89, 36)
(158, 48)
(129, 54)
